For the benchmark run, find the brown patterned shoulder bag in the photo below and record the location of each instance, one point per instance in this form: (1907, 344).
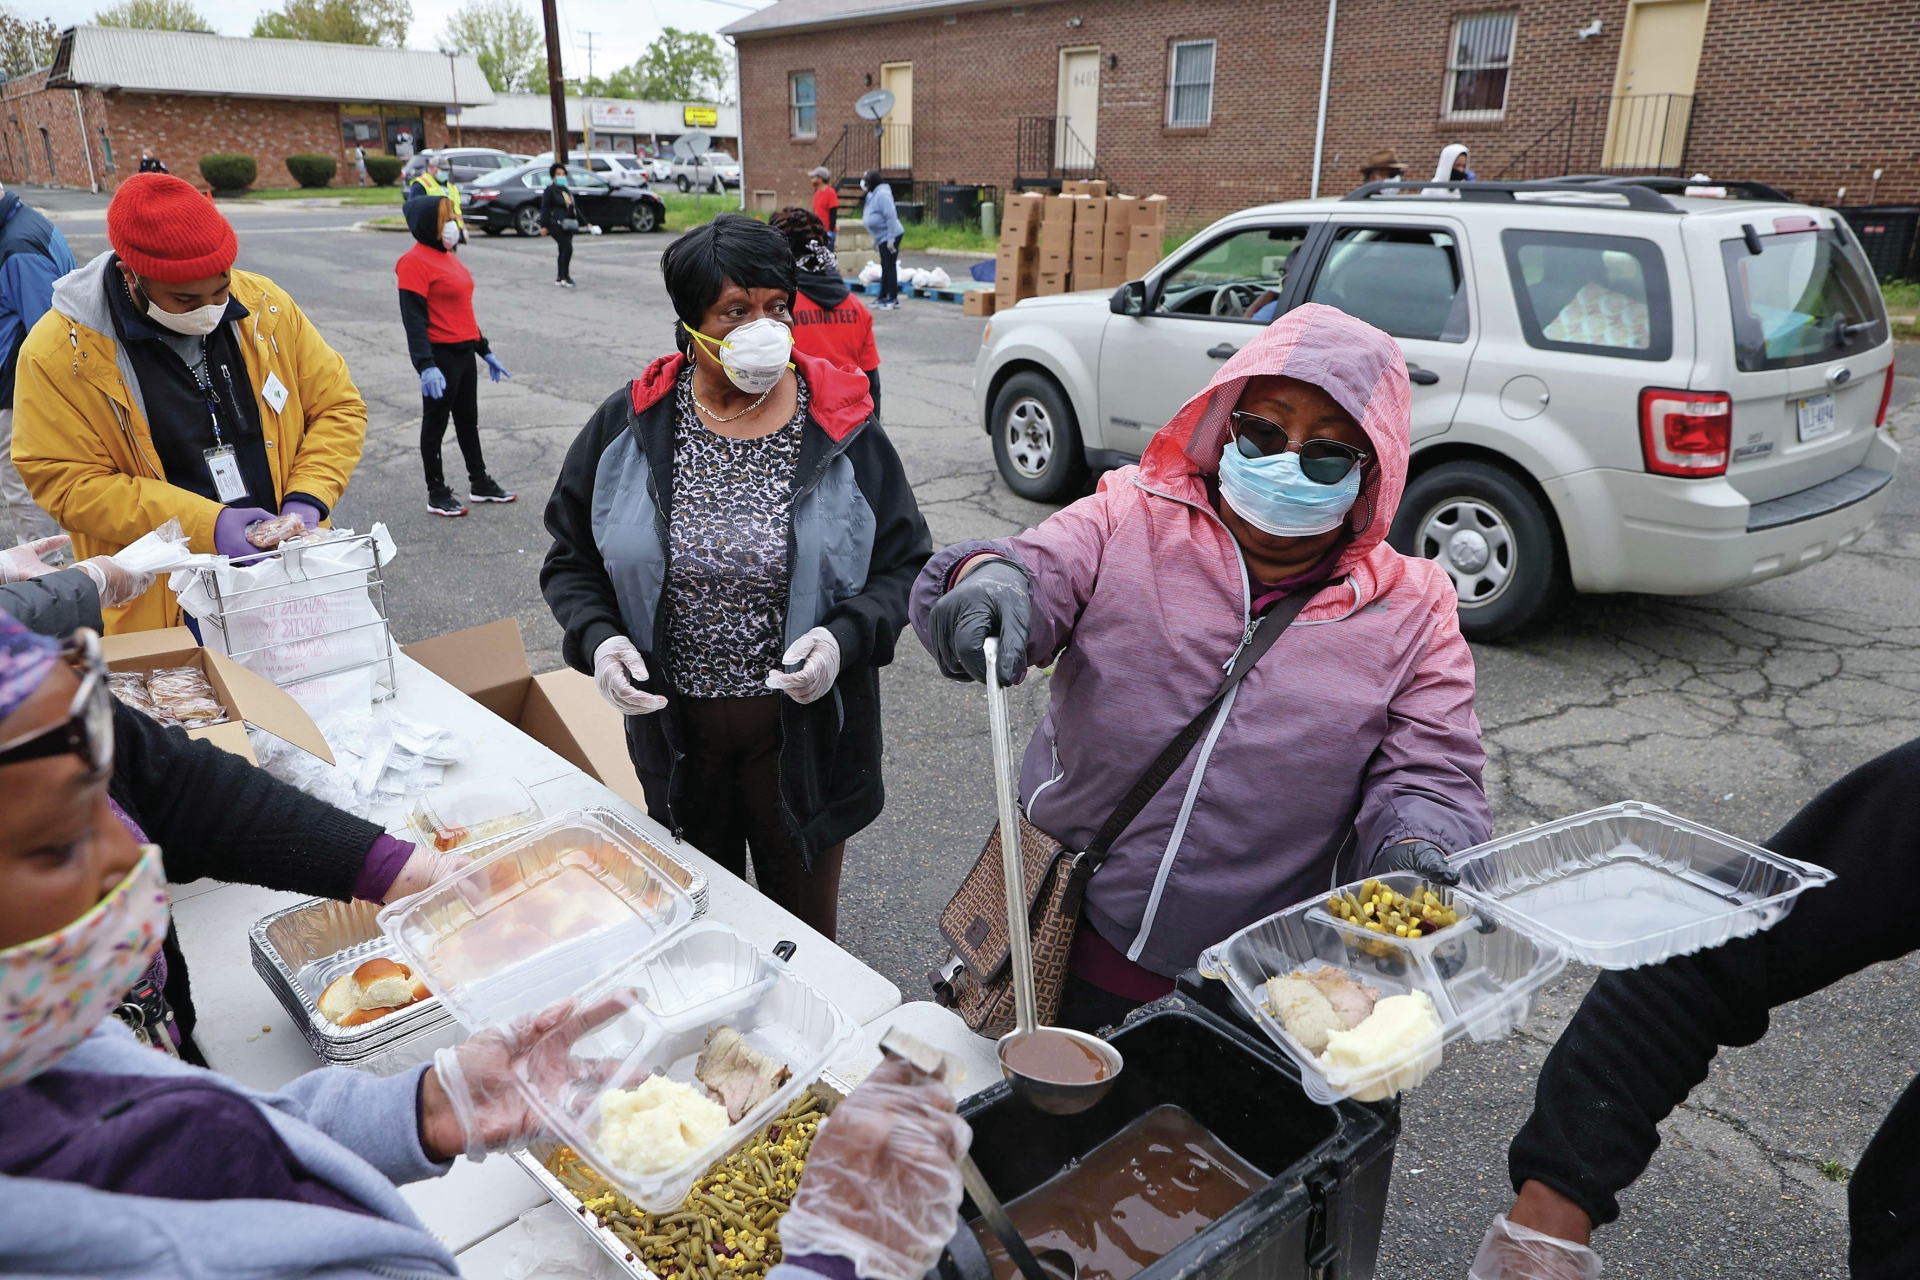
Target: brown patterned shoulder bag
(977, 980)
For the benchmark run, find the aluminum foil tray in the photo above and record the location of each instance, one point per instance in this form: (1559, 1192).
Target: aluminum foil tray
(298, 950)
(827, 1088)
(1632, 884)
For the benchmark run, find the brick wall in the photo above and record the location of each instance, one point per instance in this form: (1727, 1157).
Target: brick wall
(1803, 95)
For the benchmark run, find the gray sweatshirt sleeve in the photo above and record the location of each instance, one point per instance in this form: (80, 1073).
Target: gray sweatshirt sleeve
(376, 1119)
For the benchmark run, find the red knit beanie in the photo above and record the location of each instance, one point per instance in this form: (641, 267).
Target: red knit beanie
(165, 230)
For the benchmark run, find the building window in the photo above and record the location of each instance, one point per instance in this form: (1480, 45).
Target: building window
(46, 144)
(106, 149)
(1477, 64)
(1190, 87)
(800, 99)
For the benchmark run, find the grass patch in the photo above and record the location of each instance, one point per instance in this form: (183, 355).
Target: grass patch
(391, 220)
(350, 195)
(1834, 1171)
(931, 235)
(685, 212)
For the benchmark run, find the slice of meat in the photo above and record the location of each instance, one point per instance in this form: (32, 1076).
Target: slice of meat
(740, 1077)
(1353, 1001)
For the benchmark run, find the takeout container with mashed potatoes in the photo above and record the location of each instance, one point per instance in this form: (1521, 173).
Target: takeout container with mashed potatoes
(1617, 887)
(536, 919)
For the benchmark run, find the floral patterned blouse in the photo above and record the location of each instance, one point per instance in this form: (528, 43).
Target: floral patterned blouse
(724, 609)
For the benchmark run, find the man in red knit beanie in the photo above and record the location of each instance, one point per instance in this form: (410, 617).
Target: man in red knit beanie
(164, 384)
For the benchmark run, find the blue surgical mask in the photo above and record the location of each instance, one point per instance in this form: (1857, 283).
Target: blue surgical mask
(560, 181)
(1273, 496)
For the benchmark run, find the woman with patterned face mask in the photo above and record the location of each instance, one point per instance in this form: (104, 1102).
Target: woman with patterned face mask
(733, 540)
(1257, 516)
(196, 1173)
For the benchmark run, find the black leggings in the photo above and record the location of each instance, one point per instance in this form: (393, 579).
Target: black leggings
(563, 240)
(889, 269)
(462, 401)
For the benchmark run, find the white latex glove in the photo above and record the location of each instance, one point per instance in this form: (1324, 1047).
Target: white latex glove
(475, 1105)
(17, 564)
(618, 672)
(818, 654)
(882, 1184)
(1510, 1251)
(424, 867)
(118, 584)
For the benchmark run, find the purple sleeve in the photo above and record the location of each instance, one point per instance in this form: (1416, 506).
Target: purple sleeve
(381, 868)
(814, 1266)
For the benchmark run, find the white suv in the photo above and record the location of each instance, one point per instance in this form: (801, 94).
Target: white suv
(1614, 388)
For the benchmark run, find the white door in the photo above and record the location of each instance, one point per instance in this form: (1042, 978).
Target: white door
(1078, 108)
(1213, 298)
(896, 139)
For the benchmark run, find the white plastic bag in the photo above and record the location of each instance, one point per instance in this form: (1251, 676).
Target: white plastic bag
(164, 550)
(870, 272)
(557, 1244)
(937, 279)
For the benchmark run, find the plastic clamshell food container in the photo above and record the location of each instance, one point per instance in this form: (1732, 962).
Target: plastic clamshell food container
(540, 916)
(652, 1017)
(1632, 884)
(449, 817)
(298, 950)
(1481, 973)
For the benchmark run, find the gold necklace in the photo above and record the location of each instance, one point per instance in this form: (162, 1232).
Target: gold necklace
(743, 413)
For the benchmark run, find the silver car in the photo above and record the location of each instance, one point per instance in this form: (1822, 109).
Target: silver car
(1616, 386)
(715, 171)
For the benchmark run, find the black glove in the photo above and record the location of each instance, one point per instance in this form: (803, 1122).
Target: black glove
(993, 600)
(1423, 857)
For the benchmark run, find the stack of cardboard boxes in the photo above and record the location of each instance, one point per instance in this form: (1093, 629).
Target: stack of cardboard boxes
(1082, 238)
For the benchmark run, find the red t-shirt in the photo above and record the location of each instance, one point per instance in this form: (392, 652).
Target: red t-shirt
(444, 281)
(843, 335)
(826, 204)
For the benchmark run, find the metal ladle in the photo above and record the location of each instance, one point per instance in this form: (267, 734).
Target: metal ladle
(1061, 1099)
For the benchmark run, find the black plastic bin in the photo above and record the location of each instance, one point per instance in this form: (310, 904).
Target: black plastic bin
(910, 212)
(1319, 1215)
(1886, 234)
(959, 205)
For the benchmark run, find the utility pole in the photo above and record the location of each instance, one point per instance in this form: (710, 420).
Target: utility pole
(556, 86)
(586, 121)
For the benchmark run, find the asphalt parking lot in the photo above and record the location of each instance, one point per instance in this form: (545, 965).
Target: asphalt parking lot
(1732, 709)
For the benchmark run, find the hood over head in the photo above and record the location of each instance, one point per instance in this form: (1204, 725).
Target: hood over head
(1355, 363)
(1449, 156)
(423, 219)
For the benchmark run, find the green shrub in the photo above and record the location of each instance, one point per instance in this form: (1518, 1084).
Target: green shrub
(312, 170)
(383, 171)
(229, 173)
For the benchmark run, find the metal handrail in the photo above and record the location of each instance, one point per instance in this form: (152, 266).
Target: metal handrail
(1637, 197)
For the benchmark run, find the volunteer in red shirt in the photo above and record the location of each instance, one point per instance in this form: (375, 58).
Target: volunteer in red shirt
(826, 202)
(436, 306)
(828, 321)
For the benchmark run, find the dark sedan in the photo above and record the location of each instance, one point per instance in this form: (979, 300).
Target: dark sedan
(510, 200)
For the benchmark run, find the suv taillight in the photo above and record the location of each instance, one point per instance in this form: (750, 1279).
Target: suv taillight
(1685, 433)
(1886, 398)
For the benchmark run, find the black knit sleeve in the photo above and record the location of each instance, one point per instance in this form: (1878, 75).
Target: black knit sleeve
(1642, 1039)
(866, 625)
(53, 604)
(413, 317)
(215, 815)
(574, 577)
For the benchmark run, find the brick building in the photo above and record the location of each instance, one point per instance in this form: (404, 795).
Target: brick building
(112, 92)
(1215, 102)
(523, 122)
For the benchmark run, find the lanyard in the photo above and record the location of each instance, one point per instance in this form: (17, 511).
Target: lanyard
(203, 375)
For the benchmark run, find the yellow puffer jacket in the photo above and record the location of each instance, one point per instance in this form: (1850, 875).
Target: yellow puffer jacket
(82, 444)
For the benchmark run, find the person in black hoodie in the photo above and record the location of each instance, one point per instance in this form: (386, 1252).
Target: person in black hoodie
(436, 307)
(560, 218)
(828, 321)
(1643, 1038)
(733, 542)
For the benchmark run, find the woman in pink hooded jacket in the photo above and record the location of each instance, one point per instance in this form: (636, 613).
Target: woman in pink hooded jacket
(1350, 749)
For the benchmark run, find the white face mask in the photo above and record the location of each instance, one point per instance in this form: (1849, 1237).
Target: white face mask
(450, 234)
(195, 323)
(754, 355)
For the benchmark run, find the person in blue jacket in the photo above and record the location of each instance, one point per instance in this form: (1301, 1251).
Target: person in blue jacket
(880, 218)
(33, 254)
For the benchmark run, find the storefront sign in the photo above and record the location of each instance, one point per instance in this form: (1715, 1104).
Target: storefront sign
(700, 117)
(616, 115)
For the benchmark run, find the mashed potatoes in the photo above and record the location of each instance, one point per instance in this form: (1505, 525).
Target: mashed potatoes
(1399, 1026)
(652, 1128)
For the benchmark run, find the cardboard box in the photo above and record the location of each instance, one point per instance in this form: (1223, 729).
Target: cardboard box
(1114, 267)
(1020, 234)
(1147, 236)
(1140, 262)
(1116, 238)
(978, 302)
(1014, 267)
(1056, 261)
(1089, 269)
(1084, 187)
(1089, 237)
(1053, 282)
(1150, 212)
(1024, 206)
(1059, 209)
(1120, 210)
(1007, 295)
(248, 698)
(1090, 212)
(1056, 236)
(561, 709)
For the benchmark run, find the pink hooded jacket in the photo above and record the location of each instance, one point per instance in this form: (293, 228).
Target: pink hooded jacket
(1358, 724)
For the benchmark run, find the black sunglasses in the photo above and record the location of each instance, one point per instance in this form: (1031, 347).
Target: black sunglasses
(87, 731)
(1322, 461)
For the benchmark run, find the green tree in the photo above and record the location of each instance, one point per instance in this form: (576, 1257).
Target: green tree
(504, 39)
(25, 43)
(681, 66)
(154, 15)
(338, 21)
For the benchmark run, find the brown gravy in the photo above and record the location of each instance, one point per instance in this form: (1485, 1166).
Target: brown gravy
(1131, 1200)
(1057, 1059)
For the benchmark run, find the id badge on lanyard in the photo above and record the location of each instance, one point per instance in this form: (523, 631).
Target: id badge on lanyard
(228, 484)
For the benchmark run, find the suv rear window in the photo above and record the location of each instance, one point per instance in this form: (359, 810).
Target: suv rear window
(1802, 299)
(1591, 295)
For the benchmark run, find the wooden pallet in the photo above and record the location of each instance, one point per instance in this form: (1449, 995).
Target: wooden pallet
(952, 293)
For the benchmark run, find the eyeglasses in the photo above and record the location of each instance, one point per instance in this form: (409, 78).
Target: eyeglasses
(1322, 461)
(87, 731)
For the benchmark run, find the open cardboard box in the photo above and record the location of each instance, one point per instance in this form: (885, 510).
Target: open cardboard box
(561, 710)
(247, 697)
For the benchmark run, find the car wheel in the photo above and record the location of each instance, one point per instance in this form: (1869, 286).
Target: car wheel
(1491, 535)
(527, 221)
(684, 185)
(643, 218)
(1036, 442)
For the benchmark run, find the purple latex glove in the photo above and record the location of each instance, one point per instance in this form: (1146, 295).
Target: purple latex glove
(230, 531)
(308, 513)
